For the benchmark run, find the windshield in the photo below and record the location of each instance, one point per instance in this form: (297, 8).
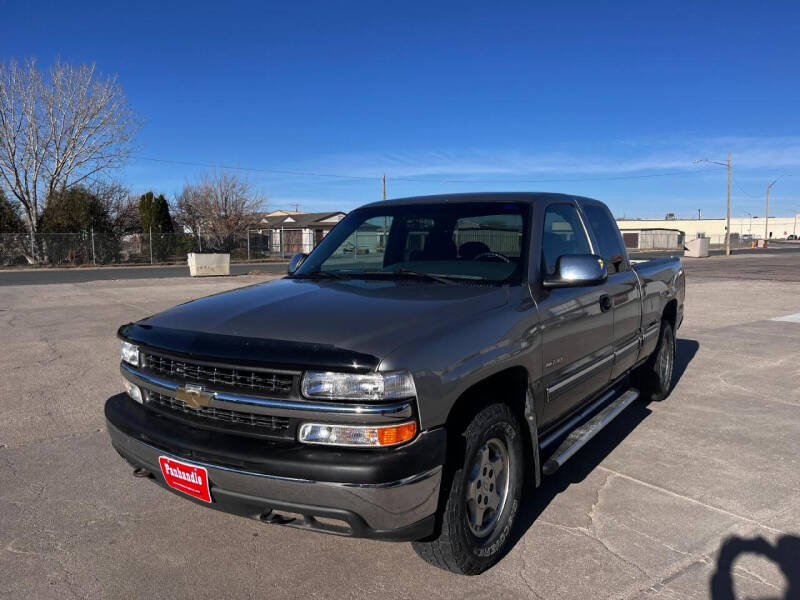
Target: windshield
(477, 242)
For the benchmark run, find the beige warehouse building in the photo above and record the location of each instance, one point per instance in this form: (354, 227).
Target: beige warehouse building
(780, 227)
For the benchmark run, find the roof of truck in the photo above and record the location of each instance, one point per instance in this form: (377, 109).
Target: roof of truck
(527, 197)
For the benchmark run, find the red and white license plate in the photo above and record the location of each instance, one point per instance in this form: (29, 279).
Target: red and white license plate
(186, 478)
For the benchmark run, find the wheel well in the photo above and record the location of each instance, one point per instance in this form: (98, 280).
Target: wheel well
(670, 312)
(509, 387)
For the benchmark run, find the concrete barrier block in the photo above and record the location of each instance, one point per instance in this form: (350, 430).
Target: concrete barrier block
(201, 265)
(697, 248)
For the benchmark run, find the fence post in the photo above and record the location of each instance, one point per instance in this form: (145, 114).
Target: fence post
(94, 256)
(248, 245)
(151, 245)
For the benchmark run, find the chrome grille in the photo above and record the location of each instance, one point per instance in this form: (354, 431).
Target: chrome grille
(241, 379)
(242, 420)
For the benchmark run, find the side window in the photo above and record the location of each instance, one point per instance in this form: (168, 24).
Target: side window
(607, 236)
(563, 234)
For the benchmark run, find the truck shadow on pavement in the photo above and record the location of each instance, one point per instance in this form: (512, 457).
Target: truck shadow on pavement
(785, 554)
(590, 456)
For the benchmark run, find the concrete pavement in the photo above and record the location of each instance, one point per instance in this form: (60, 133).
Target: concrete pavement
(673, 500)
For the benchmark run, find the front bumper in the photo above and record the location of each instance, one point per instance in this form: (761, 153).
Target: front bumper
(387, 494)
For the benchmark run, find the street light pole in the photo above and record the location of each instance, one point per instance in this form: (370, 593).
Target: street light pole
(727, 164)
(766, 217)
(728, 225)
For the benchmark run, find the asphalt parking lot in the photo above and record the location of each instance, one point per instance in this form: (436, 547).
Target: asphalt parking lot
(686, 498)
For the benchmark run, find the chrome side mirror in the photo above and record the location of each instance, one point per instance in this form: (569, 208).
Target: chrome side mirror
(295, 262)
(577, 270)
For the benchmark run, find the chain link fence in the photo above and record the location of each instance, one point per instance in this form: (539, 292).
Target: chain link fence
(738, 241)
(88, 247)
(645, 240)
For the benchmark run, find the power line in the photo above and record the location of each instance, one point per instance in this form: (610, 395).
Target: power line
(254, 169)
(573, 180)
(510, 179)
(741, 189)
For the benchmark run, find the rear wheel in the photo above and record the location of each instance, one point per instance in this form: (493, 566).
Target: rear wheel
(654, 378)
(483, 497)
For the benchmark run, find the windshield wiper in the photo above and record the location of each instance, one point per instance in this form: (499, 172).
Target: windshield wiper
(422, 274)
(313, 274)
(437, 277)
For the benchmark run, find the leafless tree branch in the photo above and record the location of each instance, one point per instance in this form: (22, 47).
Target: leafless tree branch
(59, 129)
(219, 205)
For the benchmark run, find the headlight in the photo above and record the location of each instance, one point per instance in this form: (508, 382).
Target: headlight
(356, 435)
(130, 354)
(349, 386)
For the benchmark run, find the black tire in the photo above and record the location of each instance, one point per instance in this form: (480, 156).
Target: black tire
(457, 547)
(654, 378)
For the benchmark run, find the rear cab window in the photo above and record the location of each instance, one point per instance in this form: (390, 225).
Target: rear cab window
(606, 233)
(563, 234)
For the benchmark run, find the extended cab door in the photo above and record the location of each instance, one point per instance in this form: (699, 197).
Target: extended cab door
(576, 322)
(623, 285)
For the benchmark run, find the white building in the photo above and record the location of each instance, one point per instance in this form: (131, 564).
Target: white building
(741, 227)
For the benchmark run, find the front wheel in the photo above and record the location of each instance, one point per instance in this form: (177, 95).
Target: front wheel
(654, 378)
(483, 497)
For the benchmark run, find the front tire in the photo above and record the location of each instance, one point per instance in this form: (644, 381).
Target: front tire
(654, 378)
(483, 497)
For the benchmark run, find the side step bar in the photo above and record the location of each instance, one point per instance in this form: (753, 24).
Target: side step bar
(582, 434)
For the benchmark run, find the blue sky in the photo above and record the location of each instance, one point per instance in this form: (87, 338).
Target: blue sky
(593, 98)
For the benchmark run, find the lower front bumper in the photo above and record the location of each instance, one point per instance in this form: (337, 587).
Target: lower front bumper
(399, 510)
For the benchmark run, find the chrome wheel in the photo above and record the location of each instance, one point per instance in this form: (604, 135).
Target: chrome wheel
(487, 487)
(665, 361)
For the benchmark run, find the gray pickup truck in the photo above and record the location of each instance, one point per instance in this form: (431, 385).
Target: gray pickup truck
(405, 380)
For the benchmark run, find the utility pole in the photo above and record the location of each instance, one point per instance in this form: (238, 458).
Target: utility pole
(383, 180)
(151, 245)
(728, 225)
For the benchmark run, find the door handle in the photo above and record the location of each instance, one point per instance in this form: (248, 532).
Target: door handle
(605, 303)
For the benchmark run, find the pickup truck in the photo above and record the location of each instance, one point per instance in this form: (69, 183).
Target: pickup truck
(426, 361)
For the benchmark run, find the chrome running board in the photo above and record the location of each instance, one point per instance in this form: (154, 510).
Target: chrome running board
(583, 433)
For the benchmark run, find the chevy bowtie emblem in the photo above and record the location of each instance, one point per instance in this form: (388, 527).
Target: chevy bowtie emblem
(194, 396)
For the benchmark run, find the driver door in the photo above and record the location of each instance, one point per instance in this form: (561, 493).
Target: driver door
(577, 326)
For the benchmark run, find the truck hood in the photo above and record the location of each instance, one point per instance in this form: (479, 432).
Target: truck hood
(367, 317)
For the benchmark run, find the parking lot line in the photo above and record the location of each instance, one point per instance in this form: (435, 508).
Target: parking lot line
(795, 318)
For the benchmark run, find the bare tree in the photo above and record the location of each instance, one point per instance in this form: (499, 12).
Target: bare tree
(187, 208)
(58, 129)
(121, 206)
(220, 205)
